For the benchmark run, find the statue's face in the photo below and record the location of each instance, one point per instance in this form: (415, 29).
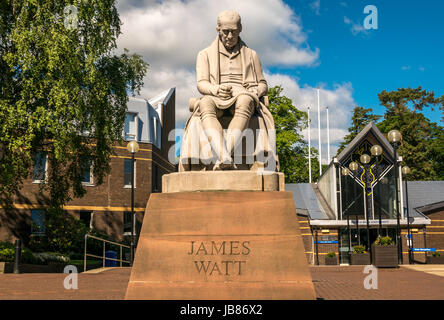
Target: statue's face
(229, 34)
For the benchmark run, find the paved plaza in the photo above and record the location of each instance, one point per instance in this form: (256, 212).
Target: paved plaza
(331, 283)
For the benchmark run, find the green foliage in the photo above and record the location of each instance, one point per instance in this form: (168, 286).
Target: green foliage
(361, 117)
(64, 233)
(422, 146)
(291, 147)
(6, 245)
(436, 254)
(359, 249)
(7, 255)
(384, 241)
(331, 254)
(56, 83)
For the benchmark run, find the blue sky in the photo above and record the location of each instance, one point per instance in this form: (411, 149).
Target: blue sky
(407, 49)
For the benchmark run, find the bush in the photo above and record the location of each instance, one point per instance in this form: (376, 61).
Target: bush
(7, 255)
(384, 241)
(359, 249)
(64, 233)
(6, 245)
(436, 254)
(331, 255)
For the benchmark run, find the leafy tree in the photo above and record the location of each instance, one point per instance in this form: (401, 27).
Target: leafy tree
(62, 91)
(291, 147)
(361, 117)
(64, 233)
(422, 147)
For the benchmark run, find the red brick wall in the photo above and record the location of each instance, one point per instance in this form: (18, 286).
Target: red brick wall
(107, 201)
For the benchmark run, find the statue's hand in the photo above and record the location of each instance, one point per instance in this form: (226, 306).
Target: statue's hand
(253, 90)
(225, 91)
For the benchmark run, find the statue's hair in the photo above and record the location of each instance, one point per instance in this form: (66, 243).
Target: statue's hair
(232, 15)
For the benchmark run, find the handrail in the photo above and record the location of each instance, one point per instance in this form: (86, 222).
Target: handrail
(103, 257)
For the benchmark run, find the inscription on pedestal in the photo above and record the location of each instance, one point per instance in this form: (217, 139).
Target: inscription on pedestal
(224, 258)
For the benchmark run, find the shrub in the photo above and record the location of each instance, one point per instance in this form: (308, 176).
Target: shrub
(384, 241)
(7, 255)
(436, 254)
(64, 233)
(331, 255)
(359, 249)
(6, 245)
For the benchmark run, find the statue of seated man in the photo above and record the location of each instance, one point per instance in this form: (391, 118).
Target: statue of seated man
(230, 78)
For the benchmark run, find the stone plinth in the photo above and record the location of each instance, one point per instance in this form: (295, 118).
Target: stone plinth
(229, 180)
(220, 245)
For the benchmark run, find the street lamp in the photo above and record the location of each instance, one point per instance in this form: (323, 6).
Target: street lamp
(376, 151)
(345, 172)
(365, 160)
(133, 148)
(394, 137)
(353, 166)
(406, 171)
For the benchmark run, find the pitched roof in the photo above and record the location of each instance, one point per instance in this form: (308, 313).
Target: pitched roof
(422, 194)
(305, 199)
(368, 129)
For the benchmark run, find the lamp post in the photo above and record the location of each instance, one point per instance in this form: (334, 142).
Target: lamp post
(345, 172)
(405, 171)
(365, 160)
(353, 166)
(376, 151)
(133, 148)
(394, 137)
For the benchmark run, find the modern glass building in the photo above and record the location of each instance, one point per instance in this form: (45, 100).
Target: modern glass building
(354, 204)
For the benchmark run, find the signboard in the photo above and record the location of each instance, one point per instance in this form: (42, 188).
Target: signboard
(424, 249)
(323, 242)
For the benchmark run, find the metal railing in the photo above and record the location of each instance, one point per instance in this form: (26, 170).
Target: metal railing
(103, 257)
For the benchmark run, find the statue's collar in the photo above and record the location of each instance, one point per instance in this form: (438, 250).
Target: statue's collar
(224, 51)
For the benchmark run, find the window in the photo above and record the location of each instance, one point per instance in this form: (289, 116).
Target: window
(87, 176)
(127, 222)
(40, 167)
(86, 218)
(127, 168)
(130, 130)
(38, 222)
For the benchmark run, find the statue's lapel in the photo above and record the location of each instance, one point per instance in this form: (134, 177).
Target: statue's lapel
(213, 57)
(247, 65)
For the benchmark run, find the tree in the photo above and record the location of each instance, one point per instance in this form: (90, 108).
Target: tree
(361, 117)
(62, 91)
(291, 147)
(422, 147)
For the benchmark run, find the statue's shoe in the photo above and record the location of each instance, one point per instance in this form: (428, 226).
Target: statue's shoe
(224, 165)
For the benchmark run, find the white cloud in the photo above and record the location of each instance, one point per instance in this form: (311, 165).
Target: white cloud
(169, 35)
(316, 6)
(356, 27)
(339, 101)
(404, 68)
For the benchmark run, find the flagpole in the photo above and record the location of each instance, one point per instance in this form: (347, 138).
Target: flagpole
(328, 138)
(309, 147)
(319, 134)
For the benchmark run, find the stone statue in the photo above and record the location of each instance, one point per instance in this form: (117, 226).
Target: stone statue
(230, 79)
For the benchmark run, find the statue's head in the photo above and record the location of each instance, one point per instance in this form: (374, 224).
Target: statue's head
(229, 27)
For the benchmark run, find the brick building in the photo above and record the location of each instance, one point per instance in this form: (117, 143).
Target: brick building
(333, 212)
(106, 207)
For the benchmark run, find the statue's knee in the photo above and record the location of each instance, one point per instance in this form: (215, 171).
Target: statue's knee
(207, 108)
(244, 106)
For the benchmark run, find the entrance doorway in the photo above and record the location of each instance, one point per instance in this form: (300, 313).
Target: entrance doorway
(359, 238)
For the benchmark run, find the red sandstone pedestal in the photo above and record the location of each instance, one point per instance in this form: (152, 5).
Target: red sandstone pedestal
(220, 245)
